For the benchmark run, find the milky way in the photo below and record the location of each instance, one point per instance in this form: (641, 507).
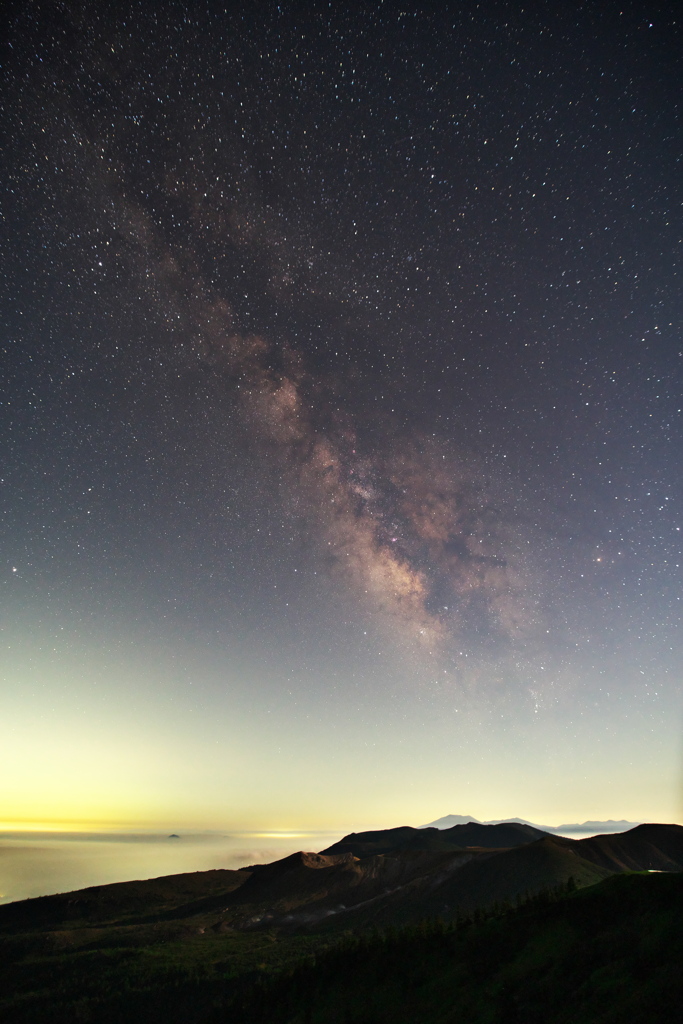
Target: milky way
(408, 524)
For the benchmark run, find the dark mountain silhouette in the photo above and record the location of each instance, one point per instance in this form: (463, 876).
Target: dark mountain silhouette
(391, 840)
(608, 954)
(493, 836)
(493, 876)
(381, 878)
(459, 837)
(645, 847)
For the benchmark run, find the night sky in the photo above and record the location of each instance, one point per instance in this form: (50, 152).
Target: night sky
(341, 413)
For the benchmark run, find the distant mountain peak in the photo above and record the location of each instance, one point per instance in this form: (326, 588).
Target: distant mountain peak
(451, 819)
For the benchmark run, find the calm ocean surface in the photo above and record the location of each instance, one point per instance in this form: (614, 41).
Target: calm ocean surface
(40, 863)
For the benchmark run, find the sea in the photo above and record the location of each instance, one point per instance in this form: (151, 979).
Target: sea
(42, 863)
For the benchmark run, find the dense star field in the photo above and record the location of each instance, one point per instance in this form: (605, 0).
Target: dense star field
(341, 424)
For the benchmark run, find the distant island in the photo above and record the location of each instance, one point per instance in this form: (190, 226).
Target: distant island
(449, 820)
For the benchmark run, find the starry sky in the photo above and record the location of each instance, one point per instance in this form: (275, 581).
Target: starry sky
(341, 413)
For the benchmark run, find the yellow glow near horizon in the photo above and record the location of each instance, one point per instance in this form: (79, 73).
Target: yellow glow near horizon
(91, 826)
(116, 828)
(281, 835)
(241, 769)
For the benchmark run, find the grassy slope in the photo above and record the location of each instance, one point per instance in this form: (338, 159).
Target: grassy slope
(608, 955)
(119, 974)
(121, 900)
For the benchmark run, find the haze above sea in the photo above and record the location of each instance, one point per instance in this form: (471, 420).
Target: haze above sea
(43, 863)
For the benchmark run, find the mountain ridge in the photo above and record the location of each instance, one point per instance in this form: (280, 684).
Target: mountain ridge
(449, 820)
(458, 837)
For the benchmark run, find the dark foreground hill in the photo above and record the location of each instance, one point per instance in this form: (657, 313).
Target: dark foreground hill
(215, 932)
(186, 893)
(607, 954)
(610, 954)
